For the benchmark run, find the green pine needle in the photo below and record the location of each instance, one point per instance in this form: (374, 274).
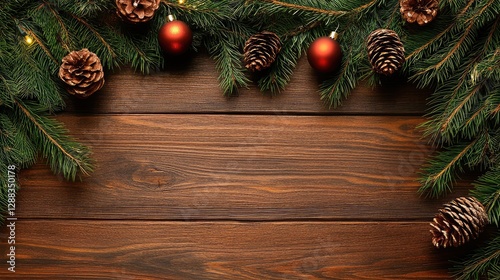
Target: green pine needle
(485, 261)
(458, 55)
(487, 190)
(63, 154)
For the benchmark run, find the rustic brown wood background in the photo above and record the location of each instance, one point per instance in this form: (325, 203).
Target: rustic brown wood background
(191, 185)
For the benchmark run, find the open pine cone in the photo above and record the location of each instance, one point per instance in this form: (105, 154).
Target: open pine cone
(420, 11)
(82, 72)
(458, 222)
(260, 50)
(385, 51)
(137, 10)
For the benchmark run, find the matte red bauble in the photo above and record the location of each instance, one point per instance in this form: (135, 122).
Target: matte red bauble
(324, 55)
(175, 37)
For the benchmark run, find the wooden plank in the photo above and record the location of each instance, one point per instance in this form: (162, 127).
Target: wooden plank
(216, 167)
(225, 250)
(194, 88)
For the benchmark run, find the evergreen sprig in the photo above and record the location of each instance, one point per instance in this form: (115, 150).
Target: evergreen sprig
(487, 190)
(484, 262)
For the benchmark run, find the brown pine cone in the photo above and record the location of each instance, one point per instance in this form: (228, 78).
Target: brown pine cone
(136, 11)
(458, 222)
(420, 11)
(261, 50)
(82, 72)
(385, 51)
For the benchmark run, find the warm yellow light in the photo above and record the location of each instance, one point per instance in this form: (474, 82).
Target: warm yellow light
(28, 40)
(182, 1)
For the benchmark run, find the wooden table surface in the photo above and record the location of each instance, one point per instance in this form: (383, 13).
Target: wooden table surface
(191, 185)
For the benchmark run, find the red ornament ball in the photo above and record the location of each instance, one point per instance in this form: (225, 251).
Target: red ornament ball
(175, 37)
(324, 55)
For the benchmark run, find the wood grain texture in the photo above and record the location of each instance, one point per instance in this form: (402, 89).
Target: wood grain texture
(225, 250)
(197, 167)
(191, 185)
(193, 88)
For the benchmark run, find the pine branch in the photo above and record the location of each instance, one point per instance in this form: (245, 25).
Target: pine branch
(334, 90)
(44, 21)
(330, 11)
(40, 43)
(228, 62)
(281, 71)
(453, 103)
(440, 172)
(458, 109)
(17, 148)
(485, 260)
(487, 190)
(64, 155)
(109, 58)
(417, 54)
(306, 8)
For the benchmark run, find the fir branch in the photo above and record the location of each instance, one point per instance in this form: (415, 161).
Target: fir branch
(319, 10)
(228, 62)
(40, 43)
(474, 123)
(281, 71)
(481, 13)
(98, 36)
(450, 53)
(487, 190)
(395, 13)
(334, 90)
(85, 8)
(306, 8)
(441, 170)
(301, 29)
(441, 34)
(17, 148)
(210, 16)
(452, 103)
(65, 38)
(64, 155)
(458, 108)
(34, 79)
(481, 262)
(435, 39)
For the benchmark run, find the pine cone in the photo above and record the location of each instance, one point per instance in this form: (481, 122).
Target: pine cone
(385, 51)
(420, 11)
(136, 11)
(458, 222)
(261, 50)
(82, 72)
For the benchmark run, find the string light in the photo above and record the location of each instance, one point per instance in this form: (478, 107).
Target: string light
(28, 40)
(182, 2)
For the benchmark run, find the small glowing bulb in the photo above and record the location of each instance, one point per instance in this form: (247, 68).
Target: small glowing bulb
(28, 40)
(182, 1)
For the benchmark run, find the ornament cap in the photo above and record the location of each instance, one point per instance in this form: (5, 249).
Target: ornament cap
(334, 35)
(170, 18)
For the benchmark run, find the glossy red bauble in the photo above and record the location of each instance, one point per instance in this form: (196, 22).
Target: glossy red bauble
(324, 55)
(175, 37)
